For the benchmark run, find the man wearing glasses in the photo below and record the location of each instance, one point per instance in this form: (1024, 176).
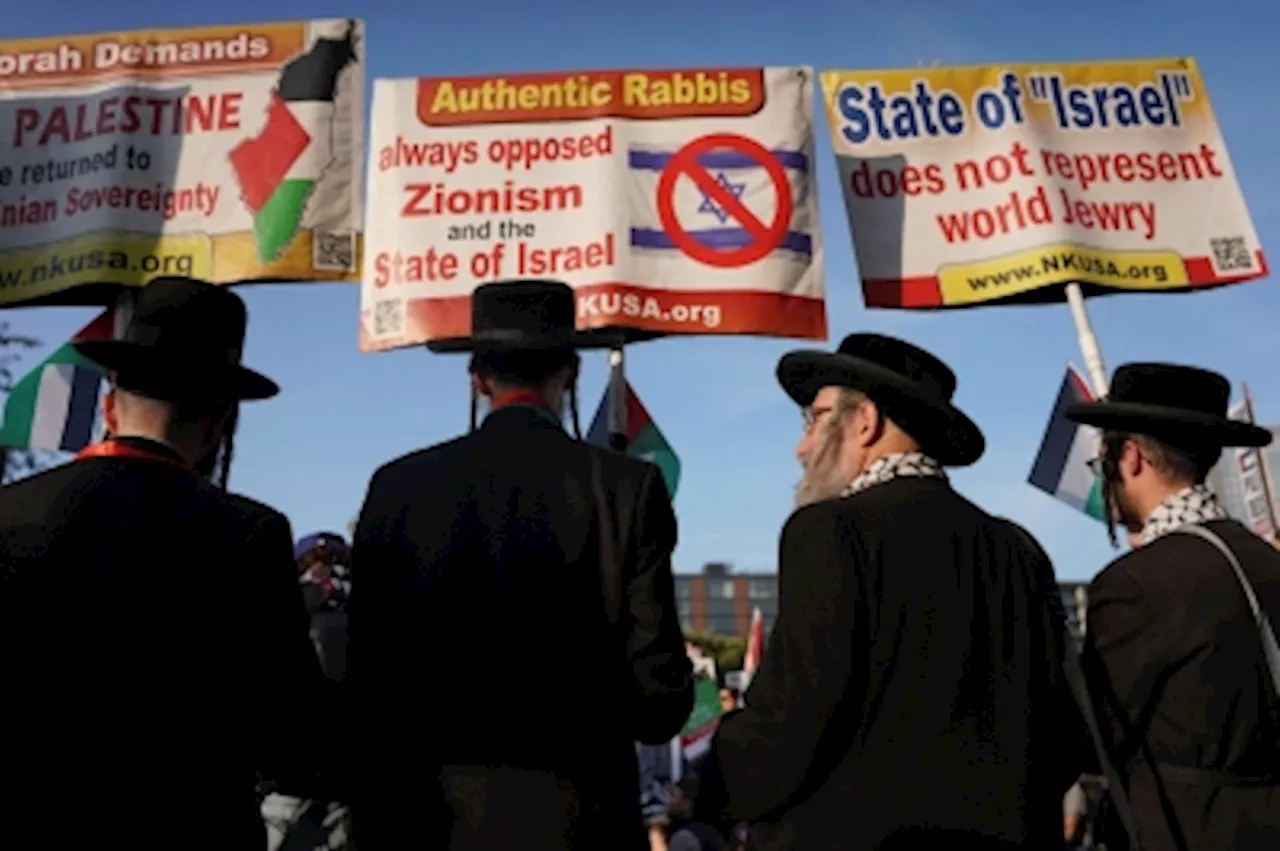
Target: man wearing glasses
(1175, 649)
(912, 692)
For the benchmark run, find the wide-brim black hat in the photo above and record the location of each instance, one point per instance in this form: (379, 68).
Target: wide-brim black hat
(910, 385)
(184, 340)
(525, 315)
(1183, 406)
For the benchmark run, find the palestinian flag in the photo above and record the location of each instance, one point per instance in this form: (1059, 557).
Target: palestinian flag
(54, 407)
(700, 728)
(644, 440)
(278, 169)
(1061, 468)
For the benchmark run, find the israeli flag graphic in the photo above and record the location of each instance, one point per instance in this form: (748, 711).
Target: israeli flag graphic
(705, 219)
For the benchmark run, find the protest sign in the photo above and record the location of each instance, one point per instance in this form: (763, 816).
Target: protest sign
(970, 185)
(674, 202)
(225, 153)
(1252, 481)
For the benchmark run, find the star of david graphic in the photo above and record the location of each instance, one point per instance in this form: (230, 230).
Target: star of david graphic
(709, 206)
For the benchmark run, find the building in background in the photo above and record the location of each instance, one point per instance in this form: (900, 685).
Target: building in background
(1225, 481)
(720, 601)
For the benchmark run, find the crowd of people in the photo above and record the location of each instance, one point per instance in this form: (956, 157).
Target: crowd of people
(920, 687)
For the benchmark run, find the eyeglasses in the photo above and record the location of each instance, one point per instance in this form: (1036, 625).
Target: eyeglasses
(1097, 464)
(812, 416)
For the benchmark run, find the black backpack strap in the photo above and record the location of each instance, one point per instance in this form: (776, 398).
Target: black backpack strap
(1079, 684)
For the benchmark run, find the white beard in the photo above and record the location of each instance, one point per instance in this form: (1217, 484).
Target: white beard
(824, 477)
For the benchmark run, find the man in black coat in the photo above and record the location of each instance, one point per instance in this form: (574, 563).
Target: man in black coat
(912, 692)
(153, 634)
(1173, 649)
(514, 628)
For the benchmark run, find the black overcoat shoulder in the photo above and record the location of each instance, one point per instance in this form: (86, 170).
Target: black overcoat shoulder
(154, 630)
(1176, 664)
(912, 687)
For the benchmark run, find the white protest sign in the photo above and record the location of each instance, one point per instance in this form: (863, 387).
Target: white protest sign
(674, 202)
(976, 184)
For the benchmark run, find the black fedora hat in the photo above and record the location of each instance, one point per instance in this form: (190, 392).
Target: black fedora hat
(1184, 406)
(184, 339)
(523, 315)
(913, 388)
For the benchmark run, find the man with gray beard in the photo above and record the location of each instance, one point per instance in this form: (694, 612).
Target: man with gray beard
(912, 693)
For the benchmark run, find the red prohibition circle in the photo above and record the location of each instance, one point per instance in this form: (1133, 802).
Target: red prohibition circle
(766, 237)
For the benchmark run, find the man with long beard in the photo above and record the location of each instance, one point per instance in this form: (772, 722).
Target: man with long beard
(1174, 645)
(912, 691)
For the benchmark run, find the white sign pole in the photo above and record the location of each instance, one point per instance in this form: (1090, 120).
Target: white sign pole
(1088, 341)
(617, 412)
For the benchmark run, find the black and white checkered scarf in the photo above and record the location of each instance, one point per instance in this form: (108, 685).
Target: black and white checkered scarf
(890, 467)
(1190, 505)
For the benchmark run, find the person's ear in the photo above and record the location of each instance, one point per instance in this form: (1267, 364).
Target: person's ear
(110, 413)
(868, 423)
(1131, 460)
(482, 385)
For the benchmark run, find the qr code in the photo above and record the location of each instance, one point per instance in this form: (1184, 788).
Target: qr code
(333, 251)
(388, 318)
(1230, 254)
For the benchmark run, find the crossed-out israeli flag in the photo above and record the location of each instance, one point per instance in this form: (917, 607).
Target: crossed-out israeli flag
(710, 223)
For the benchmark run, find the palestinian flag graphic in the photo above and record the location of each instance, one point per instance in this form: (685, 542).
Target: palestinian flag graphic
(278, 169)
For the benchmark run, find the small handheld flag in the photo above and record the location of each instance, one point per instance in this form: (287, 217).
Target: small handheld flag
(1061, 468)
(54, 407)
(644, 440)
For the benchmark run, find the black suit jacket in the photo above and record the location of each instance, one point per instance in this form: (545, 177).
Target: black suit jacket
(479, 633)
(912, 690)
(155, 659)
(1177, 666)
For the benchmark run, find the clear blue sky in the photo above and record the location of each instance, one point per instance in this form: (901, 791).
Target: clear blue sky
(310, 452)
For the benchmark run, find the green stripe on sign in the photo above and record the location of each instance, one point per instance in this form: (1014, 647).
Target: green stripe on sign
(277, 222)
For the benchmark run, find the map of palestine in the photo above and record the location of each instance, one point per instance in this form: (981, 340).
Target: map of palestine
(278, 169)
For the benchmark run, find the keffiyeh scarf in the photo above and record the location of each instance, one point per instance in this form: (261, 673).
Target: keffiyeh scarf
(1189, 506)
(903, 465)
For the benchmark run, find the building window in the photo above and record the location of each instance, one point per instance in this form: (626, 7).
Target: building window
(720, 608)
(762, 589)
(685, 608)
(768, 610)
(683, 589)
(723, 589)
(722, 625)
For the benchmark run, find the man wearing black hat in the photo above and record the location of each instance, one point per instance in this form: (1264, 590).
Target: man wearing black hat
(514, 628)
(1174, 647)
(912, 692)
(153, 633)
